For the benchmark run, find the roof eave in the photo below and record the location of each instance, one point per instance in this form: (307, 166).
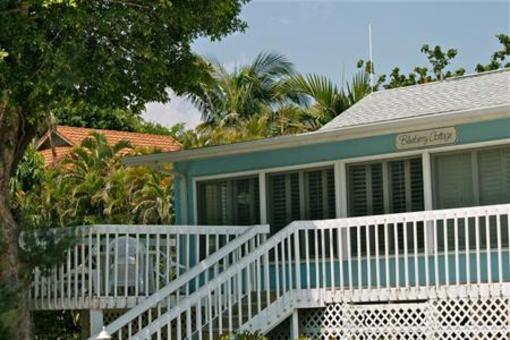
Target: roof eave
(322, 136)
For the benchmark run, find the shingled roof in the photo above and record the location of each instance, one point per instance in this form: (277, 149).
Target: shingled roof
(454, 94)
(64, 138)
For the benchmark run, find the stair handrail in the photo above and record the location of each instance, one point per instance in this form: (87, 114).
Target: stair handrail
(187, 277)
(189, 300)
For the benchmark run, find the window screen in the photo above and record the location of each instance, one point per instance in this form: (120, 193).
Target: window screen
(229, 202)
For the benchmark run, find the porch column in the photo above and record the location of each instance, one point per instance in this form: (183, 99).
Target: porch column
(96, 321)
(294, 328)
(427, 197)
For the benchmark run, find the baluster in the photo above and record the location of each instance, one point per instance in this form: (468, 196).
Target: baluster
(229, 311)
(426, 251)
(488, 245)
(446, 250)
(377, 265)
(107, 265)
(406, 254)
(289, 260)
(317, 265)
(307, 258)
(358, 240)
(468, 260)
(158, 259)
(147, 263)
(457, 241)
(198, 310)
(137, 265)
(349, 260)
(436, 252)
(397, 254)
(368, 254)
(98, 263)
(341, 258)
(266, 278)
(500, 248)
(210, 316)
(239, 288)
(116, 265)
(478, 260)
(387, 254)
(332, 259)
(126, 268)
(416, 263)
(323, 259)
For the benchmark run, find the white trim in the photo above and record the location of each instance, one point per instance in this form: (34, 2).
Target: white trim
(338, 194)
(266, 170)
(427, 181)
(195, 202)
(262, 197)
(323, 136)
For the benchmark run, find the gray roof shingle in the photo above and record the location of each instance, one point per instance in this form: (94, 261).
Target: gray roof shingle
(453, 94)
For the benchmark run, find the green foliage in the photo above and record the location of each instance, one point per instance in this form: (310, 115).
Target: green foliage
(92, 186)
(439, 61)
(499, 57)
(244, 335)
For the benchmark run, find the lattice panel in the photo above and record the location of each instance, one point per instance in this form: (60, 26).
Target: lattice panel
(448, 319)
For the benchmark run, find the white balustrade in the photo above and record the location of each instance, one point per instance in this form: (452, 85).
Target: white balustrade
(408, 256)
(116, 266)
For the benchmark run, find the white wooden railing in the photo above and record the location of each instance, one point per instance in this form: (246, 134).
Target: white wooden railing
(407, 256)
(117, 266)
(189, 282)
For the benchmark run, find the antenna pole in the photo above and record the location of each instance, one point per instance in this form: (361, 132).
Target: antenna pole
(371, 69)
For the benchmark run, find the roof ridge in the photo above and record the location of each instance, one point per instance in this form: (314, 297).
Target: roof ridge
(111, 130)
(449, 79)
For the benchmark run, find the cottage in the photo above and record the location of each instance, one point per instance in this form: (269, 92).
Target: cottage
(390, 221)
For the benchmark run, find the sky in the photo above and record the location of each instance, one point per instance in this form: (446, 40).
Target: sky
(329, 37)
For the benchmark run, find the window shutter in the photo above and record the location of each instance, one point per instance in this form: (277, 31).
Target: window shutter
(284, 199)
(397, 186)
(315, 206)
(454, 181)
(416, 179)
(358, 188)
(494, 176)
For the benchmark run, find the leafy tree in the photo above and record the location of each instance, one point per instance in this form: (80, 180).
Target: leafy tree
(108, 54)
(499, 57)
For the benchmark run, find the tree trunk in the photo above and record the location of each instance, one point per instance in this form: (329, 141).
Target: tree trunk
(15, 135)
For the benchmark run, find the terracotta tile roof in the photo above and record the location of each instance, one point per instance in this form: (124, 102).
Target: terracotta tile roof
(61, 152)
(72, 136)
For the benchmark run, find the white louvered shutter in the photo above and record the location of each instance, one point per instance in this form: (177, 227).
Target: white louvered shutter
(454, 181)
(494, 176)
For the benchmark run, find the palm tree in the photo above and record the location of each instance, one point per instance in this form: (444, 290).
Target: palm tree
(328, 99)
(89, 174)
(227, 98)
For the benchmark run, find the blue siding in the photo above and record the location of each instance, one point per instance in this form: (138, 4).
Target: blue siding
(467, 133)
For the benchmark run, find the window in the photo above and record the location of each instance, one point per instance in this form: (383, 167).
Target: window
(468, 178)
(229, 202)
(389, 186)
(299, 195)
(383, 187)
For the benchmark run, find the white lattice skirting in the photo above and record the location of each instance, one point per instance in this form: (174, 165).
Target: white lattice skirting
(448, 319)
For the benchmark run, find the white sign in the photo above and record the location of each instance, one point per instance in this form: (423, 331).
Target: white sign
(421, 139)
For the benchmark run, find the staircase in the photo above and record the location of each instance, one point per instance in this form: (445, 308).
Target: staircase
(254, 284)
